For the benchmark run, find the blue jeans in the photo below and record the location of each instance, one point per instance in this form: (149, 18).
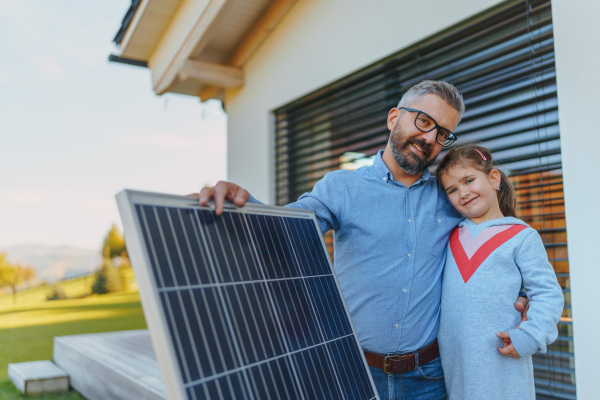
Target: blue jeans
(425, 382)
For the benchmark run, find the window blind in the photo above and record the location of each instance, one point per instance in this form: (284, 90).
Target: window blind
(502, 61)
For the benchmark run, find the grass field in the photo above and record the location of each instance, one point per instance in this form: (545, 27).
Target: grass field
(28, 327)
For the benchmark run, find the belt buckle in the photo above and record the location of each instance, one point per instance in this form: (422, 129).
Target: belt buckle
(385, 363)
(397, 357)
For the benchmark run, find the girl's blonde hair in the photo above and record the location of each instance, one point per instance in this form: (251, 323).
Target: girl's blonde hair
(480, 158)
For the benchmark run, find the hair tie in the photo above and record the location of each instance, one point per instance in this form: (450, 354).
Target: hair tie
(481, 154)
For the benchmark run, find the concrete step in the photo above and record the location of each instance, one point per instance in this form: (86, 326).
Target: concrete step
(113, 365)
(38, 377)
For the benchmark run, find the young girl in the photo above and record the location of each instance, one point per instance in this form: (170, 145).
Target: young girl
(491, 255)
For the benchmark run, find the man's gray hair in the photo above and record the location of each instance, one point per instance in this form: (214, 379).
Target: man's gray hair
(443, 89)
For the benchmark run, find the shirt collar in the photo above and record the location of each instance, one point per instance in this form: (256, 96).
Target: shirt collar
(383, 172)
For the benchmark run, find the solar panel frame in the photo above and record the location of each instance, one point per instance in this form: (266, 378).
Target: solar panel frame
(160, 323)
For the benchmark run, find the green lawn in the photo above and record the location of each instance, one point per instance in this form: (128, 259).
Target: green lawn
(9, 392)
(28, 327)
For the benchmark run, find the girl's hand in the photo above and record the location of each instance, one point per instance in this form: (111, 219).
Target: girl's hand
(507, 349)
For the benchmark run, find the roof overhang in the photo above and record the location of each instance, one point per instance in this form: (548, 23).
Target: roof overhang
(196, 47)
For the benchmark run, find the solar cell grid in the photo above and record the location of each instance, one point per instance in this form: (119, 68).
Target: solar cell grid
(250, 303)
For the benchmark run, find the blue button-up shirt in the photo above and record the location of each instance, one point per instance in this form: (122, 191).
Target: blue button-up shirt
(389, 251)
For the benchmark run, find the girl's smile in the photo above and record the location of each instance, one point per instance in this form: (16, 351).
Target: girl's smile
(470, 201)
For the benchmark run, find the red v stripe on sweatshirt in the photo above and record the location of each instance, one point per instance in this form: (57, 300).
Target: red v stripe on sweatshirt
(467, 266)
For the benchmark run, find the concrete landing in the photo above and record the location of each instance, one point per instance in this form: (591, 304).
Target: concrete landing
(38, 377)
(113, 365)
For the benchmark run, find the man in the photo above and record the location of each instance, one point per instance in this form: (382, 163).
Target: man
(391, 223)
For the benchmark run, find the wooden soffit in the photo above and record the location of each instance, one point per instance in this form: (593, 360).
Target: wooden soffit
(199, 47)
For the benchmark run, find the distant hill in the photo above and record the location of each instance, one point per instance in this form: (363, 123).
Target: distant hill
(54, 263)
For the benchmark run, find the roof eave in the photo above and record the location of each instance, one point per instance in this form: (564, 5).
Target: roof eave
(172, 38)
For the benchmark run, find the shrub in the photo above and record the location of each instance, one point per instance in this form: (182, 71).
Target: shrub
(108, 279)
(57, 293)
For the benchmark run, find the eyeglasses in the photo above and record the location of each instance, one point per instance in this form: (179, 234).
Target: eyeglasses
(425, 123)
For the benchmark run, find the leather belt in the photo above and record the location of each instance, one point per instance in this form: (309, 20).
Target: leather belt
(395, 364)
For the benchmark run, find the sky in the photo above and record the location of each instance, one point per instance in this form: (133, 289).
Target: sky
(76, 129)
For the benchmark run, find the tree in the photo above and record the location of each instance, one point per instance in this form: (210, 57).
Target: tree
(108, 279)
(110, 275)
(9, 275)
(28, 274)
(114, 244)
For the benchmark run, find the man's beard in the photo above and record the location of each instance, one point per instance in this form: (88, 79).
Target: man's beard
(408, 161)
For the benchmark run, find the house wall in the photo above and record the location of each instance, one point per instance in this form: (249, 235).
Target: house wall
(576, 32)
(319, 42)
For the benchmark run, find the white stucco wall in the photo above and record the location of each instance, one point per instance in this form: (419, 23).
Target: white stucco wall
(318, 42)
(576, 35)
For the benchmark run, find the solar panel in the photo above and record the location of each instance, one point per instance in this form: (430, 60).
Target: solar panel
(244, 305)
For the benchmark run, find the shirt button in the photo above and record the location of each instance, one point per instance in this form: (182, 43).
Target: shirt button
(409, 254)
(409, 221)
(439, 220)
(404, 290)
(385, 178)
(396, 325)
